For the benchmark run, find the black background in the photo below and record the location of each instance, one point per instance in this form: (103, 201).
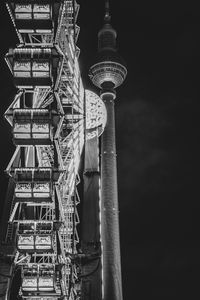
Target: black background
(157, 123)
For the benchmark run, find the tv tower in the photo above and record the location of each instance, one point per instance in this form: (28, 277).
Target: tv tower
(107, 73)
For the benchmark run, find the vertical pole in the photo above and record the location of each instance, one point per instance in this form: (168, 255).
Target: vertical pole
(109, 206)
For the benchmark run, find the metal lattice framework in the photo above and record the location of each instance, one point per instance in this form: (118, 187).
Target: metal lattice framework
(47, 119)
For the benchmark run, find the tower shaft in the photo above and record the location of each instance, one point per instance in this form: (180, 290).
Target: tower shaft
(109, 207)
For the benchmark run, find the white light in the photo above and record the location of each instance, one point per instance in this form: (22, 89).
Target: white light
(96, 114)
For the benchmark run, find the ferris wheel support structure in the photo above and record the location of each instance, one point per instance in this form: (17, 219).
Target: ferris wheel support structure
(55, 125)
(47, 119)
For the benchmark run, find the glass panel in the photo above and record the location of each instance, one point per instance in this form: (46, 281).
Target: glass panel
(44, 227)
(22, 69)
(22, 66)
(41, 190)
(22, 74)
(23, 187)
(23, 16)
(23, 190)
(22, 128)
(41, 195)
(40, 69)
(41, 128)
(22, 136)
(26, 242)
(41, 12)
(26, 227)
(42, 16)
(23, 11)
(29, 284)
(43, 242)
(41, 8)
(23, 8)
(40, 136)
(23, 195)
(40, 66)
(41, 74)
(46, 284)
(41, 187)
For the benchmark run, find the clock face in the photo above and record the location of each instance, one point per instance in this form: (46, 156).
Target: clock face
(96, 115)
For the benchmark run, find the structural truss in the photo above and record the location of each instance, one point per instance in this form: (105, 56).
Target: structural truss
(47, 119)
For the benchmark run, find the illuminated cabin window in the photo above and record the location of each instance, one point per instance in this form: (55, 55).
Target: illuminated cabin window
(22, 69)
(46, 283)
(25, 237)
(46, 278)
(31, 69)
(41, 11)
(23, 11)
(38, 278)
(32, 11)
(29, 278)
(35, 236)
(44, 236)
(33, 192)
(41, 69)
(32, 124)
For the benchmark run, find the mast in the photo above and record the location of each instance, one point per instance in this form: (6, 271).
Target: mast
(107, 11)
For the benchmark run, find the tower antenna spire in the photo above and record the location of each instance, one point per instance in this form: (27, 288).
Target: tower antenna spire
(107, 11)
(108, 72)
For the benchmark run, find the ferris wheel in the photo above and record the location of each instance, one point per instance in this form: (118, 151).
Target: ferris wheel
(55, 125)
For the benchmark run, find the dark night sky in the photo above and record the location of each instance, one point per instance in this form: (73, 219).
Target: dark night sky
(157, 123)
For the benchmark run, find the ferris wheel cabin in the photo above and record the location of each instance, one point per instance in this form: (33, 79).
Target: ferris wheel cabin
(33, 66)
